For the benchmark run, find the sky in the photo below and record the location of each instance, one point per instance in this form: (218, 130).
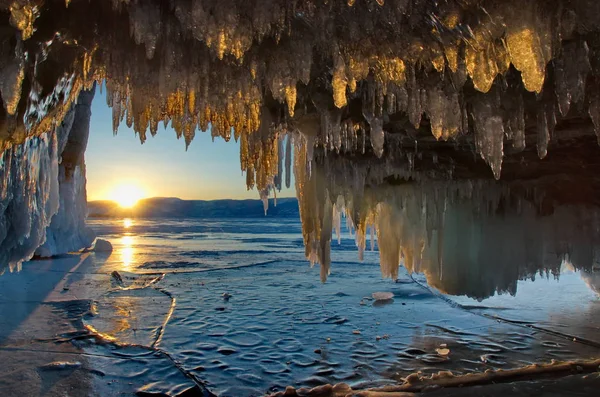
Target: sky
(161, 167)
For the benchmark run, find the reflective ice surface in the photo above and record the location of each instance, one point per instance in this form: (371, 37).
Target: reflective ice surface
(281, 326)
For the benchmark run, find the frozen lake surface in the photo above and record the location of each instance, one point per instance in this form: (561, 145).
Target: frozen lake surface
(233, 306)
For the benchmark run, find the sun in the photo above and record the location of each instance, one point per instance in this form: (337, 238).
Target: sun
(127, 194)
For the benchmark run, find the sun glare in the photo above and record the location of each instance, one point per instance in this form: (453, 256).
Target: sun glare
(127, 195)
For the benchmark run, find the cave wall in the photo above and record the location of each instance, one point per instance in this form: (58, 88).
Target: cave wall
(42, 191)
(67, 231)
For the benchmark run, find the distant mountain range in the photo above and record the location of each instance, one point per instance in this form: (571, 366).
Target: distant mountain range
(169, 207)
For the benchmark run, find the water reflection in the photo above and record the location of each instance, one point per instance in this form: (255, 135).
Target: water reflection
(127, 223)
(127, 251)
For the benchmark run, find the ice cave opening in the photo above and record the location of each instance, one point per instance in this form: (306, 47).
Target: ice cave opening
(460, 137)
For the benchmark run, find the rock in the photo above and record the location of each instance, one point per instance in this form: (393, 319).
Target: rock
(117, 277)
(382, 296)
(102, 245)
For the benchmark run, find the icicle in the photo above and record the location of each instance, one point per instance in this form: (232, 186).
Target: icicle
(543, 135)
(377, 135)
(325, 240)
(516, 123)
(528, 44)
(594, 107)
(415, 109)
(489, 133)
(337, 223)
(264, 197)
(444, 113)
(280, 154)
(11, 79)
(339, 81)
(336, 131)
(571, 71)
(288, 160)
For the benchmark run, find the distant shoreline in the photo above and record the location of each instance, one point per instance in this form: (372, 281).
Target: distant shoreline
(171, 207)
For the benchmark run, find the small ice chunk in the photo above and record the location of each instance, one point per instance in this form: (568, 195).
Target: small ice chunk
(43, 252)
(442, 351)
(117, 277)
(382, 296)
(103, 246)
(59, 365)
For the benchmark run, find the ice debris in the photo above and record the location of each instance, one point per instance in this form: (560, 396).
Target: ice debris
(383, 296)
(102, 245)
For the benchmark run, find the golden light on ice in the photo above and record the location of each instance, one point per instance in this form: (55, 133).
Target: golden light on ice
(127, 251)
(127, 194)
(127, 223)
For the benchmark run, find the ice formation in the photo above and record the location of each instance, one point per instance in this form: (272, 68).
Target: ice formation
(468, 236)
(67, 231)
(359, 93)
(42, 191)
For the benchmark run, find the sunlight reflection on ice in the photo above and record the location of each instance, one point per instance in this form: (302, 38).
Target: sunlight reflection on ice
(127, 251)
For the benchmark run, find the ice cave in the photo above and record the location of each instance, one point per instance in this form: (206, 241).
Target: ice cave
(462, 135)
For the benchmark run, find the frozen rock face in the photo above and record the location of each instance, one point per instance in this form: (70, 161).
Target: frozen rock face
(42, 191)
(29, 194)
(67, 231)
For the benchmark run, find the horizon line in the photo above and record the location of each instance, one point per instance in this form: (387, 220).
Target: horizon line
(182, 199)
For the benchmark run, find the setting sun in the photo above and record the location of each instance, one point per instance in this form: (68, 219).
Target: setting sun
(127, 195)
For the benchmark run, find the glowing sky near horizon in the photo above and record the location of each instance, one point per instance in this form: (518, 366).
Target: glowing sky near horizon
(161, 167)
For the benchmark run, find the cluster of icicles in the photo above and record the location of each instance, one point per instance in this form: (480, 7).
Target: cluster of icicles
(474, 238)
(255, 69)
(339, 75)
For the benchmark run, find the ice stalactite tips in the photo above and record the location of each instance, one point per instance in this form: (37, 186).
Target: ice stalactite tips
(366, 70)
(471, 237)
(366, 81)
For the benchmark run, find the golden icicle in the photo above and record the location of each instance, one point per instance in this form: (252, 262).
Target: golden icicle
(192, 101)
(10, 87)
(452, 57)
(339, 81)
(438, 62)
(526, 55)
(290, 97)
(481, 68)
(22, 17)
